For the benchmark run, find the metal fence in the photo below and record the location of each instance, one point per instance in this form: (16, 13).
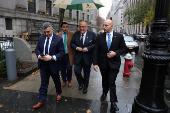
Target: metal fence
(5, 43)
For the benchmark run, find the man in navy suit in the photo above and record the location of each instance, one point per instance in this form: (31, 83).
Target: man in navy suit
(49, 50)
(83, 43)
(108, 48)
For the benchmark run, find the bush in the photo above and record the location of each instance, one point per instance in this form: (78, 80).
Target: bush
(19, 65)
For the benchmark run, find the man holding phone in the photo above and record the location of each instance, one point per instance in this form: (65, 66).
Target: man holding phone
(49, 50)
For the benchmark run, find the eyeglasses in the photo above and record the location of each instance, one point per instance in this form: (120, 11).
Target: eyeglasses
(82, 26)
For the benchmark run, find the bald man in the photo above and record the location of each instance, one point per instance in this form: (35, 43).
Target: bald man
(83, 43)
(108, 48)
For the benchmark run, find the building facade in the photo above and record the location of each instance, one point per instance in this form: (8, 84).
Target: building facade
(118, 17)
(21, 16)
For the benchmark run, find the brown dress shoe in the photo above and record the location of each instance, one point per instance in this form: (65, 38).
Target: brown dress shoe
(39, 104)
(69, 84)
(58, 96)
(63, 84)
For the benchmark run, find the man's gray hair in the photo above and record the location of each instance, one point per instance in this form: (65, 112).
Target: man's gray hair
(46, 25)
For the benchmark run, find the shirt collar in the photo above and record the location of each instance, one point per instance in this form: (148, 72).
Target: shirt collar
(84, 33)
(110, 33)
(50, 36)
(63, 32)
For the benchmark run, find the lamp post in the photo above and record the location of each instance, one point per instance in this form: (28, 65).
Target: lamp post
(156, 58)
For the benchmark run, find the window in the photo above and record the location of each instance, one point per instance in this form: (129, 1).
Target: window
(87, 18)
(92, 17)
(31, 6)
(87, 10)
(70, 14)
(83, 17)
(48, 7)
(8, 22)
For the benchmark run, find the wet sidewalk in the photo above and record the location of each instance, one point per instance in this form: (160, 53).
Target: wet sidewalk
(20, 95)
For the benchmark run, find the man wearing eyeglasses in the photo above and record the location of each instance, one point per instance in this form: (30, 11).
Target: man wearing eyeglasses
(83, 43)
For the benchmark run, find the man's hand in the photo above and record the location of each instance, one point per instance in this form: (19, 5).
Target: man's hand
(79, 49)
(96, 68)
(85, 49)
(42, 58)
(45, 58)
(111, 54)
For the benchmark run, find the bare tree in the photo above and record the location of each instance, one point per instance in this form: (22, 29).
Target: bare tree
(100, 21)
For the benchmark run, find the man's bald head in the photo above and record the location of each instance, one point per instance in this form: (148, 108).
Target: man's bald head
(107, 26)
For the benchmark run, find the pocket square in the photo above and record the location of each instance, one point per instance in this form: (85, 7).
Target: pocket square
(90, 40)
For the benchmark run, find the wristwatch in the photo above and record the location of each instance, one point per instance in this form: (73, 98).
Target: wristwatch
(52, 57)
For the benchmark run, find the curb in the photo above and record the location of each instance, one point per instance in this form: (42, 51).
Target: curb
(22, 73)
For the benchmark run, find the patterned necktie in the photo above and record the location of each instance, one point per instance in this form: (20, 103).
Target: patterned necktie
(65, 42)
(81, 39)
(46, 46)
(109, 41)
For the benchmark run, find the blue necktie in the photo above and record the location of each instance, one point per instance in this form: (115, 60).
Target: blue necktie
(46, 46)
(109, 41)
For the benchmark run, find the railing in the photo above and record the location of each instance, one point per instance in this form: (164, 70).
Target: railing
(5, 43)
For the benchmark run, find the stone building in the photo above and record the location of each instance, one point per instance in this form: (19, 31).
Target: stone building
(21, 16)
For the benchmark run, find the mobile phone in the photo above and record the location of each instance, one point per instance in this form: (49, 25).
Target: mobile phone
(42, 55)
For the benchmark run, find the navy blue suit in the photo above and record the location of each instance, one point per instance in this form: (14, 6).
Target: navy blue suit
(51, 67)
(83, 59)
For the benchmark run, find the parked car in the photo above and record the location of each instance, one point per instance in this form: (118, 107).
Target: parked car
(142, 36)
(131, 44)
(134, 36)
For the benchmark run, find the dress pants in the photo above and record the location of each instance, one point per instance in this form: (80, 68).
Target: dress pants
(45, 75)
(66, 69)
(108, 82)
(86, 69)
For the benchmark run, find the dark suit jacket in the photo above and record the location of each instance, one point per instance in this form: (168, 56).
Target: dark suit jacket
(89, 43)
(56, 48)
(100, 51)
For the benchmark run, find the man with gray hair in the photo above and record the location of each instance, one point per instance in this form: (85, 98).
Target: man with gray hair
(49, 50)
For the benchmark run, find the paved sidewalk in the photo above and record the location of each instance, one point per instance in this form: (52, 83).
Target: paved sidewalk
(20, 95)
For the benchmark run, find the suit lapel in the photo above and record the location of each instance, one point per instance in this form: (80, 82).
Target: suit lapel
(86, 39)
(79, 35)
(104, 40)
(52, 42)
(113, 40)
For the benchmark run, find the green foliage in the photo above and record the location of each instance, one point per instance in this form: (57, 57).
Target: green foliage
(140, 12)
(67, 16)
(19, 64)
(2, 55)
(3, 68)
(148, 20)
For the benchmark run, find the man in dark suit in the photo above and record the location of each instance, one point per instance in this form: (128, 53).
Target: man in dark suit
(83, 43)
(49, 50)
(108, 48)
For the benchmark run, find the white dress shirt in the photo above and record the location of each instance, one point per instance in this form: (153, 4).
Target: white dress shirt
(111, 35)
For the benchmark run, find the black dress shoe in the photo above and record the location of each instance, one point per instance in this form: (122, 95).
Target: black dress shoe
(80, 87)
(114, 107)
(103, 97)
(84, 91)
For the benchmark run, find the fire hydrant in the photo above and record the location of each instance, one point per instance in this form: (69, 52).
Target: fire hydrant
(128, 64)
